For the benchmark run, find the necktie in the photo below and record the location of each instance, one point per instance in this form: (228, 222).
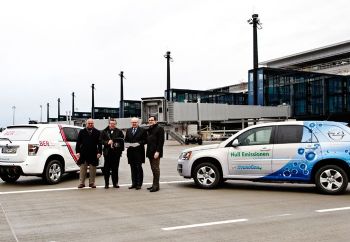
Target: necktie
(133, 131)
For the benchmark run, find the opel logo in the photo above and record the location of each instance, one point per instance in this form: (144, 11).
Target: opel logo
(336, 134)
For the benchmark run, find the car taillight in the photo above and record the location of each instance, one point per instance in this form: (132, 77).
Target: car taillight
(32, 149)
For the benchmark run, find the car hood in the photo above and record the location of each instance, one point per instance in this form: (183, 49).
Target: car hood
(204, 147)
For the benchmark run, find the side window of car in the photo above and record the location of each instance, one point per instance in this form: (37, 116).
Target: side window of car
(71, 134)
(258, 136)
(308, 136)
(288, 134)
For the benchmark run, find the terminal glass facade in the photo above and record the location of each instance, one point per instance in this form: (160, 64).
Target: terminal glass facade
(310, 95)
(192, 96)
(132, 108)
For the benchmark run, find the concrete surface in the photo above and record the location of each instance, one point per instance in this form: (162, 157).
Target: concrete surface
(239, 211)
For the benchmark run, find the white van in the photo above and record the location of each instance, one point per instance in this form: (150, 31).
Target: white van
(45, 150)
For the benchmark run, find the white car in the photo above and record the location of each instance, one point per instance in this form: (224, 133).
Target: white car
(45, 150)
(316, 152)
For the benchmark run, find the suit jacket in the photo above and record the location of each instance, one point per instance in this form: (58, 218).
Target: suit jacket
(88, 145)
(106, 135)
(155, 141)
(136, 154)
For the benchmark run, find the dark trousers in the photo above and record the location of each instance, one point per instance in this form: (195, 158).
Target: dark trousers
(136, 174)
(156, 172)
(111, 164)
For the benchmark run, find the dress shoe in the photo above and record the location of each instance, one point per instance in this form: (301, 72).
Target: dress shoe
(132, 187)
(149, 188)
(81, 186)
(106, 186)
(138, 188)
(92, 185)
(116, 186)
(154, 190)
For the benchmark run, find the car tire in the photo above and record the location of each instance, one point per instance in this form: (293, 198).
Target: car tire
(9, 178)
(207, 175)
(331, 179)
(200, 142)
(53, 172)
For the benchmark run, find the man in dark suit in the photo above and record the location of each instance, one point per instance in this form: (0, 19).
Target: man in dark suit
(155, 142)
(137, 138)
(88, 151)
(113, 146)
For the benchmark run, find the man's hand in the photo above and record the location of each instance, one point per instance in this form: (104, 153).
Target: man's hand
(77, 155)
(110, 142)
(98, 156)
(156, 155)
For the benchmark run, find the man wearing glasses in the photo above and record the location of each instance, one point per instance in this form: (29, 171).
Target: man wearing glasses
(137, 138)
(155, 142)
(88, 151)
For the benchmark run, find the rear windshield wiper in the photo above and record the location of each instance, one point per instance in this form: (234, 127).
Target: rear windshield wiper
(6, 139)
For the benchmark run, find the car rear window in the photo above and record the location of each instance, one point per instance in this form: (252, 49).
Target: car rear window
(18, 133)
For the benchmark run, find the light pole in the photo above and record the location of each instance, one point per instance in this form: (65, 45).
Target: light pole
(168, 59)
(255, 21)
(59, 109)
(14, 112)
(41, 113)
(93, 101)
(121, 103)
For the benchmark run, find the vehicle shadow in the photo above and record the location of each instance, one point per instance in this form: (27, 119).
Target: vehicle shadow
(34, 180)
(261, 186)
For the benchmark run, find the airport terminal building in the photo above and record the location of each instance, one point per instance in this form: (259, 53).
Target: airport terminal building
(315, 83)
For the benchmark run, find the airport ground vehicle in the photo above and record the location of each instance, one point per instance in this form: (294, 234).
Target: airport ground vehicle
(45, 150)
(316, 152)
(193, 139)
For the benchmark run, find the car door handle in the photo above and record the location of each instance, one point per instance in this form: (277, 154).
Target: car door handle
(265, 149)
(63, 145)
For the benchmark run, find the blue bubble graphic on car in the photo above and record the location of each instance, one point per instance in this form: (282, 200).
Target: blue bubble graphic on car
(306, 172)
(310, 155)
(312, 125)
(301, 151)
(294, 171)
(303, 166)
(287, 173)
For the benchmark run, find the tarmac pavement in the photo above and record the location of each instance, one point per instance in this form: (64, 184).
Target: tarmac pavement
(238, 211)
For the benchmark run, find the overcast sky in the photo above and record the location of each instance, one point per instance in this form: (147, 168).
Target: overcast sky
(48, 49)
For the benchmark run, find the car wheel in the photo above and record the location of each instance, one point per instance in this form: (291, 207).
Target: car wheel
(200, 142)
(9, 178)
(207, 175)
(53, 172)
(331, 179)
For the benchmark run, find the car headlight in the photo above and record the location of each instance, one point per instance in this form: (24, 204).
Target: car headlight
(186, 155)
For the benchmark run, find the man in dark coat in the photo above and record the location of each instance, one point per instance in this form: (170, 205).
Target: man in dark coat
(137, 138)
(88, 151)
(113, 146)
(155, 142)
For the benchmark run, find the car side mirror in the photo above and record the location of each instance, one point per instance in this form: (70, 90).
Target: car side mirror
(235, 143)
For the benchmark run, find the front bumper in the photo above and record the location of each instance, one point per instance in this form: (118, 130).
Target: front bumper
(183, 168)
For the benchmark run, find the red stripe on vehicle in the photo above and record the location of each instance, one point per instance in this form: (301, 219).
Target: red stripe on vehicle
(67, 144)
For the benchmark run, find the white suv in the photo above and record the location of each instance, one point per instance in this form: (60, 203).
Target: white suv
(46, 150)
(316, 152)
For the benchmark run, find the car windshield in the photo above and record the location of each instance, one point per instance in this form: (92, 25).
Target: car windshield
(18, 133)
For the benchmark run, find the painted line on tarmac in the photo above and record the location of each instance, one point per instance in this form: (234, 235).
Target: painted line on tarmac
(8, 222)
(332, 210)
(205, 224)
(75, 188)
(279, 215)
